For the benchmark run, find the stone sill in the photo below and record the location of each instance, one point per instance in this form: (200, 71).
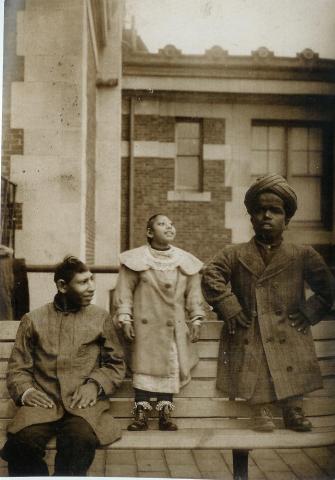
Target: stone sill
(188, 196)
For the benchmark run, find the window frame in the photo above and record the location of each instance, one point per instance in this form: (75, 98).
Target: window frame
(198, 121)
(326, 178)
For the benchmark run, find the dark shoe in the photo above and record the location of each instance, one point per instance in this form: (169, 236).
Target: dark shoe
(140, 413)
(164, 423)
(263, 419)
(294, 419)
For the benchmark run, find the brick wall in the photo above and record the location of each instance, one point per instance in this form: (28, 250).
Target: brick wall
(150, 128)
(214, 131)
(13, 70)
(196, 222)
(90, 155)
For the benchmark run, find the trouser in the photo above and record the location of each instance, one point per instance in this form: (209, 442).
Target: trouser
(144, 396)
(76, 443)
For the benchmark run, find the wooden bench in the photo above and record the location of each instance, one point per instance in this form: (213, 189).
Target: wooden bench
(205, 419)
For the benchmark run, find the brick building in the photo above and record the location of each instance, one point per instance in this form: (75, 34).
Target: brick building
(197, 129)
(97, 137)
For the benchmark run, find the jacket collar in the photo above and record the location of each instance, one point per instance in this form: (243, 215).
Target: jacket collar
(251, 258)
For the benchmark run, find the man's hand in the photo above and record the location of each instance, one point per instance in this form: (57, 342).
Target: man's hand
(85, 396)
(128, 331)
(299, 321)
(195, 332)
(239, 319)
(36, 398)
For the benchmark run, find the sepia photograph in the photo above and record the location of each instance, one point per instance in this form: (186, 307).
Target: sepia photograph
(167, 257)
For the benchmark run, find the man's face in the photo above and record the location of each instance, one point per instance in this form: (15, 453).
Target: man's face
(80, 290)
(268, 216)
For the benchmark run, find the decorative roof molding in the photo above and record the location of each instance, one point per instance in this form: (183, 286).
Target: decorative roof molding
(262, 53)
(170, 51)
(308, 55)
(216, 53)
(217, 63)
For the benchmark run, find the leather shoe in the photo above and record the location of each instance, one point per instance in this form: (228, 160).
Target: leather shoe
(294, 419)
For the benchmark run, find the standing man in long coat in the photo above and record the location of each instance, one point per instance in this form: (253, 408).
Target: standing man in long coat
(65, 363)
(266, 349)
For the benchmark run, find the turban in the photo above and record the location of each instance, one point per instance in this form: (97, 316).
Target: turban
(276, 184)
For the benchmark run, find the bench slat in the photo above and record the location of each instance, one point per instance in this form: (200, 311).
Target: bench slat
(218, 439)
(206, 368)
(217, 422)
(200, 407)
(324, 348)
(196, 388)
(210, 330)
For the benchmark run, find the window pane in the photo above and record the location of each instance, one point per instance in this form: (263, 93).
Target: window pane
(276, 162)
(187, 173)
(188, 130)
(298, 139)
(315, 139)
(188, 147)
(315, 163)
(276, 138)
(259, 163)
(308, 191)
(259, 138)
(298, 162)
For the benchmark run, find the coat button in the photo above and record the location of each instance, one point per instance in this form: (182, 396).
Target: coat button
(168, 285)
(144, 320)
(275, 284)
(289, 368)
(279, 311)
(282, 340)
(169, 323)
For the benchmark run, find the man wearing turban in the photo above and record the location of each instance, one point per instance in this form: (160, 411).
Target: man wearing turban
(266, 350)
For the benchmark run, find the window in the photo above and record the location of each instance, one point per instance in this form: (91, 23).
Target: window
(301, 152)
(188, 167)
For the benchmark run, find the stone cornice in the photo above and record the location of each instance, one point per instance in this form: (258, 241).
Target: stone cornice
(241, 98)
(217, 63)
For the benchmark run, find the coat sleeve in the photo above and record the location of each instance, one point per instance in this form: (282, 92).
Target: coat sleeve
(124, 291)
(194, 298)
(112, 368)
(215, 286)
(20, 365)
(320, 280)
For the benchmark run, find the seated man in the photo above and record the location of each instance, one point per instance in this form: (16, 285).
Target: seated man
(65, 364)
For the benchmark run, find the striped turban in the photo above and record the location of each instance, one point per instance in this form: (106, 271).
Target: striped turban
(276, 184)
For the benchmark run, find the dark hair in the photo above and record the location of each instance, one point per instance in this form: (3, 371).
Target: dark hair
(150, 223)
(68, 268)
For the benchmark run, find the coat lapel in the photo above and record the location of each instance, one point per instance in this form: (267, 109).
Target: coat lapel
(251, 258)
(281, 260)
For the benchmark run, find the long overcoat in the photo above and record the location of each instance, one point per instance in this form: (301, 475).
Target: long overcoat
(58, 351)
(160, 312)
(237, 279)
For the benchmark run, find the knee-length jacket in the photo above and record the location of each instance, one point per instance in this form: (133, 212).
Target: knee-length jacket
(237, 279)
(56, 352)
(160, 312)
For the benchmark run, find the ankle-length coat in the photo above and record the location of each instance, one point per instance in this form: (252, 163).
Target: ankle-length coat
(237, 279)
(56, 352)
